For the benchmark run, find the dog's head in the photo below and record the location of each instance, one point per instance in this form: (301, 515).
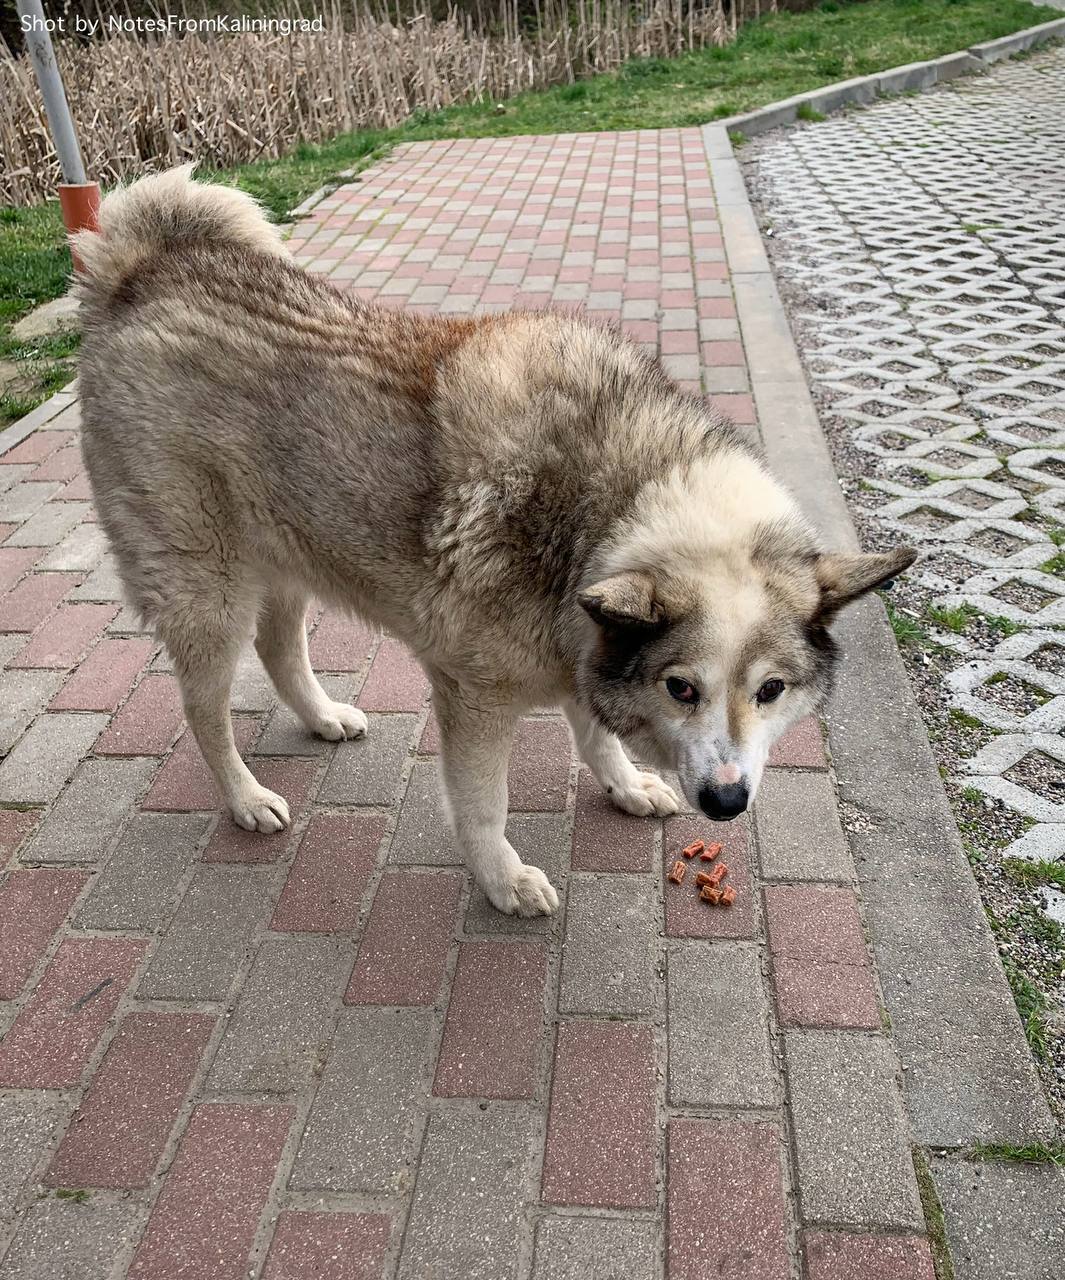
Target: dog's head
(699, 668)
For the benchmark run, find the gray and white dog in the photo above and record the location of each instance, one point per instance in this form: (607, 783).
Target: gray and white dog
(526, 500)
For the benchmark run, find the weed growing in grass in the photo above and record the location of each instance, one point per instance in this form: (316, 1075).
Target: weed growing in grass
(810, 114)
(1052, 1152)
(1032, 1008)
(1023, 872)
(954, 619)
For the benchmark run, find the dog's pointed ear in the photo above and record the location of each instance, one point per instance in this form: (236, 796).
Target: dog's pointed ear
(844, 576)
(624, 600)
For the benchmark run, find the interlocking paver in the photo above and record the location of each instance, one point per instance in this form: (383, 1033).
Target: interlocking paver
(838, 1255)
(28, 1122)
(33, 904)
(89, 813)
(368, 770)
(62, 1238)
(686, 916)
(23, 695)
(293, 779)
(332, 868)
(148, 723)
(205, 1219)
(816, 850)
(118, 1133)
(328, 1246)
(605, 838)
(576, 1248)
(608, 958)
(29, 602)
(104, 678)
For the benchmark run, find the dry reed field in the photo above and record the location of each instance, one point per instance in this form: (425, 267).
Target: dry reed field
(146, 101)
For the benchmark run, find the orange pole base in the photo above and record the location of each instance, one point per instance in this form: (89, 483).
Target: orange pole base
(80, 203)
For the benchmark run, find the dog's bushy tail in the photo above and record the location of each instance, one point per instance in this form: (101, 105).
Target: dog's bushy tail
(162, 212)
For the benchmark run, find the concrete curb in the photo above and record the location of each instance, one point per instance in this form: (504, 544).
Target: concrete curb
(968, 1075)
(45, 412)
(914, 77)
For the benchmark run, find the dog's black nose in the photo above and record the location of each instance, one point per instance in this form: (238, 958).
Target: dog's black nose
(723, 803)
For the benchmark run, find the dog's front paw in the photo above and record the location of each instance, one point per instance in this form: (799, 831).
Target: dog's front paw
(257, 809)
(338, 720)
(524, 892)
(647, 795)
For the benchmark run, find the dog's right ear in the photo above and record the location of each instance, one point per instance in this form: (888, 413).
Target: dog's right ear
(624, 600)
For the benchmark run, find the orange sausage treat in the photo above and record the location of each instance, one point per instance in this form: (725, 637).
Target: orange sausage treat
(690, 850)
(709, 894)
(678, 872)
(710, 852)
(718, 874)
(704, 877)
(728, 896)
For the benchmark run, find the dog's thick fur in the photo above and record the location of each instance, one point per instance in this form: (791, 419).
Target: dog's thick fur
(526, 500)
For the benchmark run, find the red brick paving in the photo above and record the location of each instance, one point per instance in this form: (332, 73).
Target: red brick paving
(37, 447)
(601, 1140)
(33, 904)
(126, 1115)
(727, 1213)
(57, 1029)
(204, 1222)
(480, 1022)
(104, 678)
(833, 1255)
(328, 1246)
(404, 948)
(330, 874)
(494, 1022)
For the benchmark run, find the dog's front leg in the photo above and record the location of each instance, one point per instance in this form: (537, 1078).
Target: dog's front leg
(629, 788)
(475, 743)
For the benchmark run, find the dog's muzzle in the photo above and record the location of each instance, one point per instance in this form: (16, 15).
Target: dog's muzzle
(723, 803)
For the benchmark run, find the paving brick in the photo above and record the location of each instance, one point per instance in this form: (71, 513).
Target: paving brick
(495, 1022)
(325, 886)
(407, 937)
(284, 1016)
(726, 1207)
(838, 1255)
(14, 561)
(139, 886)
(46, 755)
(63, 465)
(340, 644)
(67, 1240)
(293, 779)
(719, 1048)
(361, 1132)
(541, 840)
(49, 524)
(285, 735)
(611, 946)
(16, 825)
(802, 747)
(56, 1030)
(851, 1134)
(28, 1123)
(104, 678)
(102, 584)
(81, 551)
(184, 782)
(37, 446)
(396, 682)
(604, 838)
(20, 501)
(33, 904)
(252, 690)
(62, 640)
(423, 835)
(686, 915)
(821, 969)
(328, 1246)
(601, 1142)
(466, 1215)
(799, 836)
(27, 604)
(368, 770)
(208, 938)
(118, 1133)
(538, 775)
(23, 695)
(574, 1248)
(88, 815)
(148, 723)
(205, 1219)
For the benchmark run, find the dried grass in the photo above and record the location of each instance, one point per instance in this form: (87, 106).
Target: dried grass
(144, 102)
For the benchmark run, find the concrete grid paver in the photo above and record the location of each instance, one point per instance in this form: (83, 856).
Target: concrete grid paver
(624, 1105)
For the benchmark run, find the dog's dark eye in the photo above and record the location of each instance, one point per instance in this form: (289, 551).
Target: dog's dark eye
(770, 691)
(682, 690)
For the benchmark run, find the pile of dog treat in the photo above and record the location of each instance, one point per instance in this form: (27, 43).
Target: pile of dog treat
(708, 883)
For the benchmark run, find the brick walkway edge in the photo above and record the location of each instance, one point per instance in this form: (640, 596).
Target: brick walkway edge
(265, 1056)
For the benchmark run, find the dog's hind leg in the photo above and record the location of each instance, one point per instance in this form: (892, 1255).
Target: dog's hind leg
(475, 744)
(629, 788)
(204, 639)
(281, 642)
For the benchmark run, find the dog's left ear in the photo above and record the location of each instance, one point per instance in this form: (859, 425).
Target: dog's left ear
(627, 600)
(844, 576)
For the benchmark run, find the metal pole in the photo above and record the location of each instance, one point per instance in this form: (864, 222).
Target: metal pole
(42, 55)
